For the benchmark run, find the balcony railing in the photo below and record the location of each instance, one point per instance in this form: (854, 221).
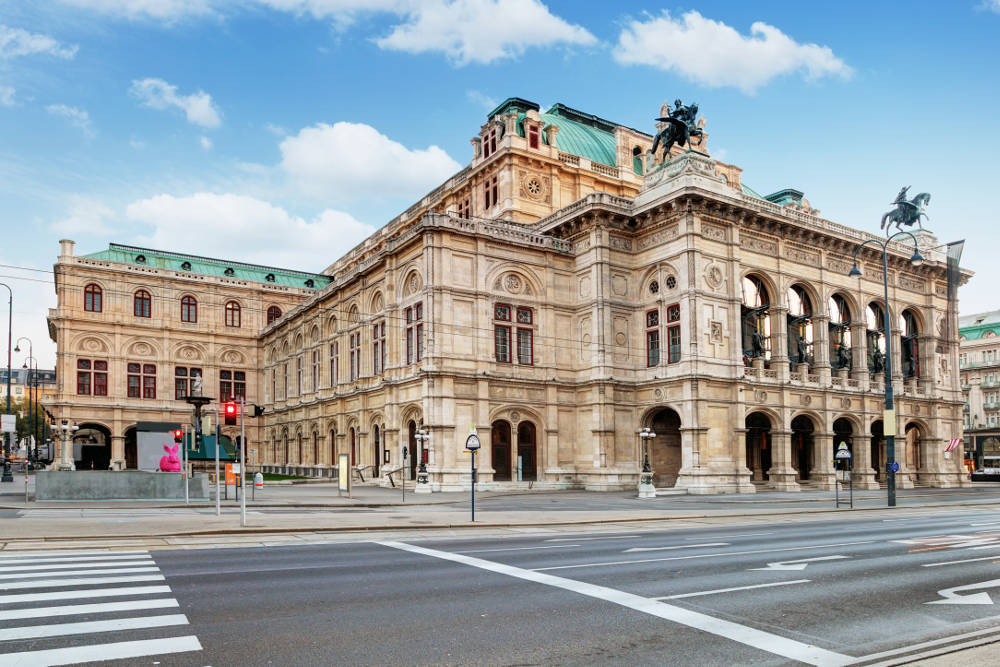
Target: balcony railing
(991, 405)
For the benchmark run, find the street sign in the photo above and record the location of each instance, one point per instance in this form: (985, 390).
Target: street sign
(842, 452)
(894, 466)
(472, 442)
(8, 423)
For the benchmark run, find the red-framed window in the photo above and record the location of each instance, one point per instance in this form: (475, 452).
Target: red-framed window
(315, 370)
(501, 343)
(490, 192)
(465, 208)
(273, 313)
(232, 384)
(673, 333)
(284, 391)
(334, 363)
(93, 298)
(189, 309)
(652, 338)
(298, 375)
(183, 378)
(378, 347)
(525, 347)
(415, 333)
(141, 379)
(533, 136)
(91, 377)
(142, 304)
(232, 314)
(524, 316)
(501, 311)
(490, 143)
(355, 355)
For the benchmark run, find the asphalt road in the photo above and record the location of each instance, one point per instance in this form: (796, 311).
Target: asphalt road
(831, 592)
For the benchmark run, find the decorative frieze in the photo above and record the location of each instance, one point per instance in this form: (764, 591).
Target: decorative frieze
(802, 255)
(762, 244)
(620, 243)
(714, 232)
(910, 282)
(657, 237)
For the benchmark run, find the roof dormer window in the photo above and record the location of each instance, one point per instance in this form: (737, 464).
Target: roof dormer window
(269, 278)
(230, 271)
(140, 259)
(310, 283)
(533, 136)
(186, 266)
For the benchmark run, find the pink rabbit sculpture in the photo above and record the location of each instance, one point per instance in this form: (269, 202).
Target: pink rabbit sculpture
(170, 462)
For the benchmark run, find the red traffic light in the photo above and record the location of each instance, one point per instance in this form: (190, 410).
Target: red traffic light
(177, 435)
(230, 408)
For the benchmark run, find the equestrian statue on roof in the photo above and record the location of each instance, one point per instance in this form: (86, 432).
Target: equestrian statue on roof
(907, 212)
(681, 126)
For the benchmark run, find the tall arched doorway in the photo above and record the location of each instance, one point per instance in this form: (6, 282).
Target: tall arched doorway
(802, 446)
(500, 448)
(333, 447)
(376, 447)
(758, 444)
(131, 449)
(354, 447)
(665, 450)
(92, 447)
(913, 462)
(527, 452)
(843, 432)
(412, 447)
(878, 450)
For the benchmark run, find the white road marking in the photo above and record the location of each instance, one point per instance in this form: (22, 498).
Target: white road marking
(729, 590)
(75, 573)
(102, 652)
(764, 641)
(589, 539)
(87, 627)
(52, 583)
(929, 644)
(84, 594)
(65, 566)
(726, 537)
(727, 553)
(987, 523)
(96, 608)
(951, 596)
(680, 546)
(795, 565)
(74, 559)
(956, 562)
(99, 552)
(553, 546)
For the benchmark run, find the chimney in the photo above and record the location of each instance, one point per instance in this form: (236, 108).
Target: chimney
(66, 248)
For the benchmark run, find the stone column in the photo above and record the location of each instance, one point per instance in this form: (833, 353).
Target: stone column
(903, 478)
(779, 340)
(821, 347)
(822, 472)
(781, 476)
(859, 355)
(118, 452)
(864, 475)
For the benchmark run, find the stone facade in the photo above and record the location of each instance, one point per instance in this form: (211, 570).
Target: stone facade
(564, 291)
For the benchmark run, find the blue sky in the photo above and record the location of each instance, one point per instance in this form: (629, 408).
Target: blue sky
(237, 128)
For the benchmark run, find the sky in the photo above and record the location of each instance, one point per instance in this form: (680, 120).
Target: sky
(283, 132)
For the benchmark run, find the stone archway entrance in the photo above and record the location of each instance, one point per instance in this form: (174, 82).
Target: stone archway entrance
(527, 451)
(92, 447)
(412, 447)
(913, 460)
(500, 450)
(878, 450)
(665, 450)
(131, 448)
(758, 446)
(802, 446)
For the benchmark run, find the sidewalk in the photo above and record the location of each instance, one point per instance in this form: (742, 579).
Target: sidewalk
(311, 511)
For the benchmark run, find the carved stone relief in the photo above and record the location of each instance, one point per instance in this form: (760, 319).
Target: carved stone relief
(93, 345)
(619, 285)
(759, 244)
(714, 276)
(141, 349)
(657, 237)
(801, 255)
(535, 186)
(619, 242)
(714, 232)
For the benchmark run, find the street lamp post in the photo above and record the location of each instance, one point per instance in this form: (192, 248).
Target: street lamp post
(889, 414)
(423, 436)
(7, 476)
(31, 414)
(646, 488)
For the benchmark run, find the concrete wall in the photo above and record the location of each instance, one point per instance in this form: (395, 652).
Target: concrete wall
(110, 485)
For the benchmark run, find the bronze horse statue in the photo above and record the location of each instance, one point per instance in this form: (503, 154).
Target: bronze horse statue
(907, 212)
(680, 129)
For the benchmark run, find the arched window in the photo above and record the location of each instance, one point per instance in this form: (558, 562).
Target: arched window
(273, 313)
(909, 352)
(92, 298)
(189, 309)
(232, 314)
(875, 323)
(840, 332)
(800, 328)
(143, 304)
(756, 320)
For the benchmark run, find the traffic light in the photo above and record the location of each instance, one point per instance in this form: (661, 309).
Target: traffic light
(177, 435)
(230, 411)
(257, 410)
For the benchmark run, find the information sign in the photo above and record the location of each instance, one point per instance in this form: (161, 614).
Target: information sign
(472, 442)
(894, 466)
(842, 452)
(8, 423)
(343, 473)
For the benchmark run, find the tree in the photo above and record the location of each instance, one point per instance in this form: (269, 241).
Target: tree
(25, 422)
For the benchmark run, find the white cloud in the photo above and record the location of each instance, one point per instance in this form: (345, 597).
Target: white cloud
(248, 229)
(991, 5)
(18, 42)
(77, 117)
(345, 161)
(485, 101)
(86, 216)
(714, 54)
(481, 31)
(158, 94)
(165, 10)
(6, 96)
(205, 142)
(276, 130)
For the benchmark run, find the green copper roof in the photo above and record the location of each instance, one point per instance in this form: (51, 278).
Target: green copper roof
(207, 266)
(972, 327)
(747, 190)
(594, 140)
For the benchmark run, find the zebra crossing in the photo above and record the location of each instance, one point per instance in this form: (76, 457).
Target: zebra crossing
(69, 607)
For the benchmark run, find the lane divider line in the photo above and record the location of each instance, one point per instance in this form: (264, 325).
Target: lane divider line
(730, 590)
(765, 641)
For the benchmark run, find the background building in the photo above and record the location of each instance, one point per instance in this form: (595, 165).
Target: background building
(979, 362)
